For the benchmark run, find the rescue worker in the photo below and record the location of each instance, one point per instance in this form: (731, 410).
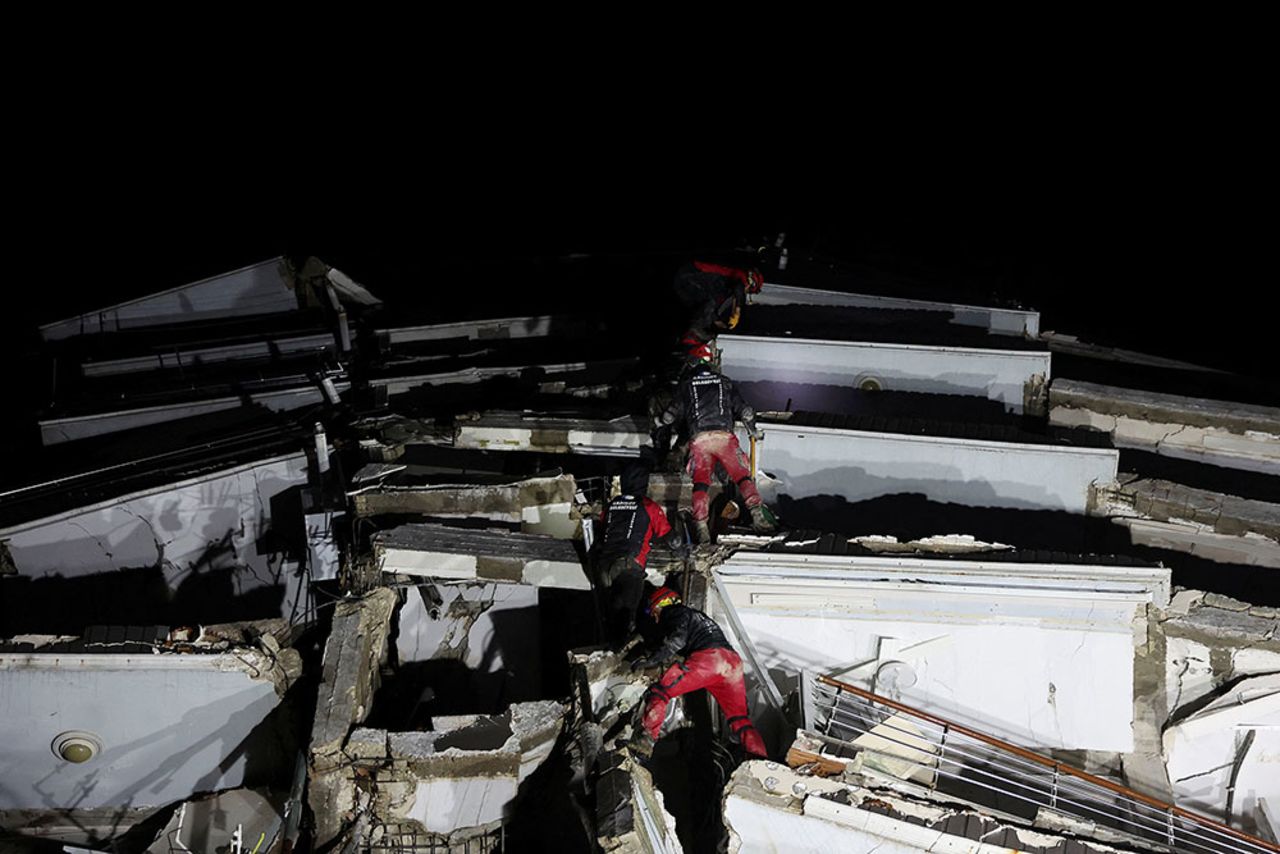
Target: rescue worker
(708, 404)
(631, 522)
(709, 662)
(717, 292)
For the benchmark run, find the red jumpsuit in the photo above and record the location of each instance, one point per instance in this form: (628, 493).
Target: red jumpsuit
(713, 666)
(718, 446)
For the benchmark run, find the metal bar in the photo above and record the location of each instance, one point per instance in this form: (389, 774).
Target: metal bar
(1155, 828)
(748, 649)
(1050, 763)
(1003, 764)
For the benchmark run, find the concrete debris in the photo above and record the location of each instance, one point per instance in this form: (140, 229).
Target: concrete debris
(538, 505)
(356, 648)
(463, 779)
(1165, 501)
(937, 544)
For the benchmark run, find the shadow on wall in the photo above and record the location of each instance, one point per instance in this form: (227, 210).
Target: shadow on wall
(141, 596)
(770, 395)
(912, 515)
(938, 482)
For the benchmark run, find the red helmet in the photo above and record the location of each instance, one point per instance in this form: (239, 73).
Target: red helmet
(700, 353)
(662, 597)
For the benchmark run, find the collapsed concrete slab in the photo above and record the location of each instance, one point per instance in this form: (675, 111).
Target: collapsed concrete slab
(1235, 435)
(1165, 501)
(539, 505)
(353, 654)
(620, 437)
(438, 551)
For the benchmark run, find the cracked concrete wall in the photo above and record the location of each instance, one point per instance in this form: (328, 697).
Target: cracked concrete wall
(210, 523)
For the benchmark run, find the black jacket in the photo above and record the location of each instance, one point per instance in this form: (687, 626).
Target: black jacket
(705, 401)
(684, 631)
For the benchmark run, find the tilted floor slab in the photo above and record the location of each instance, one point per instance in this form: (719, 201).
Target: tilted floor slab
(438, 551)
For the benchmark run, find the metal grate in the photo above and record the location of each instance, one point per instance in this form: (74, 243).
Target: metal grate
(413, 838)
(953, 758)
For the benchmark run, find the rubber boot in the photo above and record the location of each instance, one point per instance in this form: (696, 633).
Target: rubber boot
(760, 520)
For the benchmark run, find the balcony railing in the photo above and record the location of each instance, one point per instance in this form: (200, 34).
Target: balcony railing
(968, 765)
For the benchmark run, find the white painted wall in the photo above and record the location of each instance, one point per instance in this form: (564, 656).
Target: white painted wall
(1041, 668)
(811, 461)
(208, 522)
(256, 289)
(170, 726)
(1003, 320)
(1199, 752)
(1000, 375)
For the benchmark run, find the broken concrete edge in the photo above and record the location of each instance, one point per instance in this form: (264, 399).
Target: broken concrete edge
(901, 812)
(461, 499)
(1166, 501)
(356, 648)
(1166, 408)
(380, 776)
(631, 814)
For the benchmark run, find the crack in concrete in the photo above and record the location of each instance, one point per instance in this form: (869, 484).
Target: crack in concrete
(1213, 770)
(97, 541)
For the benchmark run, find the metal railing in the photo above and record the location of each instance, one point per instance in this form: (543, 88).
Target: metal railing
(955, 759)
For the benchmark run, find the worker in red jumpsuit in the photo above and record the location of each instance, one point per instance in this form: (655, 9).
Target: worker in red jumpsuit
(707, 404)
(631, 522)
(709, 662)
